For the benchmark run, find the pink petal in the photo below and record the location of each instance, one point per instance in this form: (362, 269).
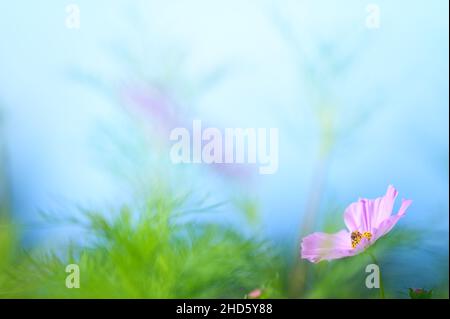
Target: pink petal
(368, 214)
(390, 222)
(353, 216)
(368, 209)
(358, 215)
(321, 246)
(384, 207)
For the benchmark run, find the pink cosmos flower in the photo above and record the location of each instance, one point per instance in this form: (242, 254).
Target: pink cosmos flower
(366, 221)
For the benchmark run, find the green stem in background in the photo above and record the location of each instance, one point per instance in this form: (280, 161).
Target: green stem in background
(381, 279)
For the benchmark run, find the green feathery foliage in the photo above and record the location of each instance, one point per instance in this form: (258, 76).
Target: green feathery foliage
(154, 255)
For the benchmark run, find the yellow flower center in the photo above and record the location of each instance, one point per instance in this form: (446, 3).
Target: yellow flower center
(356, 237)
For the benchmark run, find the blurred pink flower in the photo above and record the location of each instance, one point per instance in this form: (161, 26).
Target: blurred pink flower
(366, 221)
(156, 105)
(254, 294)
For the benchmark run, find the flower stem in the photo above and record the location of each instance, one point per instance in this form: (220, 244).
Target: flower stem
(381, 279)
